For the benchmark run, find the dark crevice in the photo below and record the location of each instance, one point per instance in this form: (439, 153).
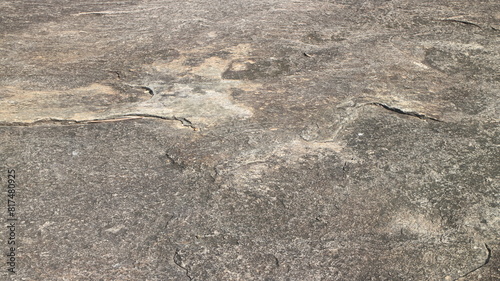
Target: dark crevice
(117, 73)
(462, 22)
(345, 170)
(184, 121)
(410, 113)
(41, 122)
(479, 267)
(215, 174)
(175, 163)
(178, 262)
(150, 90)
(276, 261)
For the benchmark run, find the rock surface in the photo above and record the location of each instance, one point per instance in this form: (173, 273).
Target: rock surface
(251, 140)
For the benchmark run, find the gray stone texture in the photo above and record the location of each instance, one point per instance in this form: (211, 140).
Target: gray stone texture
(251, 140)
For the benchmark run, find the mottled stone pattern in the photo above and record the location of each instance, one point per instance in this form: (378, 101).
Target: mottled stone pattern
(251, 140)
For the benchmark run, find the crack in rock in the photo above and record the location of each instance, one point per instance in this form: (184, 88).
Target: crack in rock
(178, 261)
(149, 89)
(185, 122)
(486, 261)
(462, 22)
(174, 162)
(198, 93)
(347, 112)
(404, 112)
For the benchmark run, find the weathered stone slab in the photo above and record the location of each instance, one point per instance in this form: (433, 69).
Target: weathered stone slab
(261, 140)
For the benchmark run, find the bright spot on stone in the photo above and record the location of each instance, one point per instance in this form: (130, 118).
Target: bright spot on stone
(421, 65)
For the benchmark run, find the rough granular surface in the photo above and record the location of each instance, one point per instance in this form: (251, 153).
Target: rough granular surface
(250, 140)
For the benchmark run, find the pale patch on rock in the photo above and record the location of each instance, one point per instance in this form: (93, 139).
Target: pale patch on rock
(85, 103)
(204, 99)
(421, 65)
(249, 167)
(407, 222)
(207, 107)
(115, 229)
